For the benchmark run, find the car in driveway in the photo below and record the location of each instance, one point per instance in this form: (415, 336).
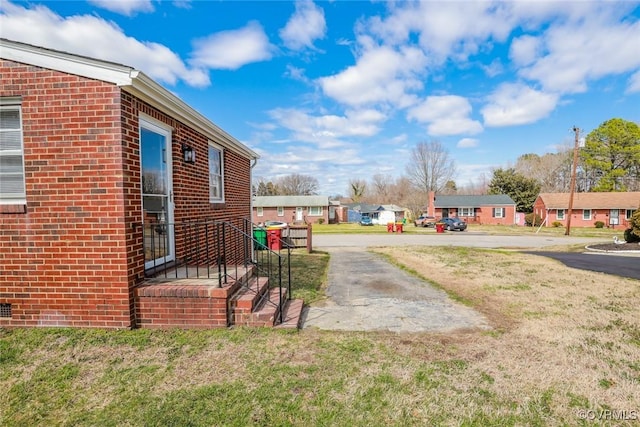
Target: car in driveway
(453, 224)
(425, 221)
(365, 220)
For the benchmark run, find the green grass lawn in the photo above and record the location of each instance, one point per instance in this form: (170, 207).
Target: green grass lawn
(350, 228)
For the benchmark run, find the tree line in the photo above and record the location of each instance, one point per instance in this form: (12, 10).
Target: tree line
(609, 160)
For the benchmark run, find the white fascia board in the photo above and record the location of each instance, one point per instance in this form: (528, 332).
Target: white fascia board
(65, 62)
(144, 88)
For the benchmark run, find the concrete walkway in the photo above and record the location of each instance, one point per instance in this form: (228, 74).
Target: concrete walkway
(367, 293)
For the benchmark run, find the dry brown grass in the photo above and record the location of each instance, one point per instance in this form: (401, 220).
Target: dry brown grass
(556, 328)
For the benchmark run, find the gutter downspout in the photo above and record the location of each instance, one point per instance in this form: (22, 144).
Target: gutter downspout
(254, 163)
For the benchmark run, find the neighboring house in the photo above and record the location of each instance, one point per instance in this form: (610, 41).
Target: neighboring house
(379, 214)
(390, 213)
(292, 209)
(498, 209)
(614, 209)
(107, 179)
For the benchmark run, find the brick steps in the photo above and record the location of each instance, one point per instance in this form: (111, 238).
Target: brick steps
(291, 314)
(263, 315)
(199, 303)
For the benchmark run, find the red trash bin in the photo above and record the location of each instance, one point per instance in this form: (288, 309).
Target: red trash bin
(399, 228)
(273, 238)
(389, 227)
(439, 227)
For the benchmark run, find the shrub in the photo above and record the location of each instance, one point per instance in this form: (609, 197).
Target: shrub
(529, 220)
(556, 224)
(630, 237)
(599, 224)
(634, 223)
(320, 220)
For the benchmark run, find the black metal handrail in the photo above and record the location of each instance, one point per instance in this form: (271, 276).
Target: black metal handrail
(216, 249)
(275, 262)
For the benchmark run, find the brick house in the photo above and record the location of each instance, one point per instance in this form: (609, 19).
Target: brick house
(292, 209)
(497, 209)
(107, 180)
(614, 209)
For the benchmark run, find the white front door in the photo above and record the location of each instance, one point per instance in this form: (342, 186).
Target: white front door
(157, 194)
(298, 214)
(614, 217)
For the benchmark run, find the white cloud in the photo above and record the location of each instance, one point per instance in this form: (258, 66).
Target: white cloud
(124, 7)
(305, 25)
(517, 104)
(525, 50)
(94, 37)
(230, 50)
(574, 53)
(634, 83)
(381, 75)
(493, 69)
(446, 30)
(446, 115)
(467, 143)
(327, 131)
(296, 73)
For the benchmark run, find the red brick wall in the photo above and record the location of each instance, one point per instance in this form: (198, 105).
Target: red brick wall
(271, 214)
(577, 218)
(64, 261)
(190, 181)
(482, 215)
(76, 256)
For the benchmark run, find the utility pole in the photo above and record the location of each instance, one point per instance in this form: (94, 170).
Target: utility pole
(572, 184)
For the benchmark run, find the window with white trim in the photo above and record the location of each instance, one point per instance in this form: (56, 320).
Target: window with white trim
(216, 174)
(498, 212)
(12, 178)
(260, 211)
(630, 213)
(465, 211)
(315, 210)
(280, 211)
(586, 214)
(560, 213)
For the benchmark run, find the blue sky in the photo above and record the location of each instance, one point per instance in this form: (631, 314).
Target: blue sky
(345, 89)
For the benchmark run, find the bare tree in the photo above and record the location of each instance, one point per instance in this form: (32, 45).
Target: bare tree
(357, 189)
(382, 187)
(430, 166)
(552, 171)
(297, 185)
(477, 187)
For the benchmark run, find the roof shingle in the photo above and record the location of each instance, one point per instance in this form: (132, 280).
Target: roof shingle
(612, 200)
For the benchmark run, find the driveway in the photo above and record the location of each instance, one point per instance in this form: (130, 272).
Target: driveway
(367, 293)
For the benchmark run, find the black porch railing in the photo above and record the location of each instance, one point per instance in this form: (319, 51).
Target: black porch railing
(217, 250)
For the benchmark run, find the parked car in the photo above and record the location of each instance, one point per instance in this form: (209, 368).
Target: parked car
(453, 224)
(365, 220)
(275, 224)
(425, 221)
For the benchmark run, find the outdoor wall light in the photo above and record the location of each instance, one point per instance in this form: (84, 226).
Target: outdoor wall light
(189, 153)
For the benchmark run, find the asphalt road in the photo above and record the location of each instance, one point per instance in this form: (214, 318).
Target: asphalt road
(618, 265)
(469, 239)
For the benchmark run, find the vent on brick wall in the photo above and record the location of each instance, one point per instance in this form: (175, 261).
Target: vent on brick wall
(5, 310)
